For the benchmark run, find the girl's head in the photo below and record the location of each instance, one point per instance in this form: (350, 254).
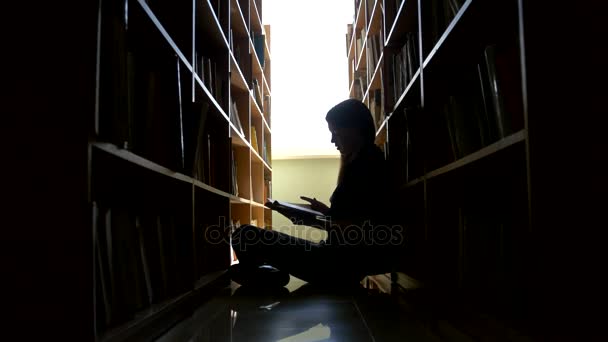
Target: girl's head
(351, 125)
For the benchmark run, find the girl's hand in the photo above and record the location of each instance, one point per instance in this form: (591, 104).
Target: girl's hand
(316, 205)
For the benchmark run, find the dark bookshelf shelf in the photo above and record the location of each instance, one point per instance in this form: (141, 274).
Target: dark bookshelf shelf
(144, 318)
(405, 281)
(149, 165)
(210, 97)
(406, 20)
(208, 23)
(240, 26)
(240, 140)
(414, 182)
(489, 150)
(236, 75)
(476, 25)
(411, 91)
(140, 161)
(164, 33)
(148, 321)
(451, 34)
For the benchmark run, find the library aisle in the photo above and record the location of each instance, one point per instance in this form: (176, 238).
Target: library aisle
(299, 312)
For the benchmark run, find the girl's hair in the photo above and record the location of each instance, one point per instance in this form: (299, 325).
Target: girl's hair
(353, 113)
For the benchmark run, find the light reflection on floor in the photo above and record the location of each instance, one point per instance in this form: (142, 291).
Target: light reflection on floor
(297, 313)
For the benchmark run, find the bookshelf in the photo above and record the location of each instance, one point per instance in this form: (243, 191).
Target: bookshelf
(449, 88)
(180, 152)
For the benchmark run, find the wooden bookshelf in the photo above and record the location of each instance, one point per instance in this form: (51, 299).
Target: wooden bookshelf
(172, 169)
(454, 122)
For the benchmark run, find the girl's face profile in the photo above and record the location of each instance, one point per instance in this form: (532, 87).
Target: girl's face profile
(347, 140)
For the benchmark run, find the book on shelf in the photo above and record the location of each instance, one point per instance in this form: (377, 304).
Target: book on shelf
(463, 125)
(234, 182)
(266, 108)
(235, 119)
(254, 139)
(217, 9)
(121, 261)
(207, 70)
(403, 65)
(499, 78)
(182, 148)
(265, 152)
(197, 141)
(257, 93)
(143, 254)
(233, 226)
(157, 108)
(258, 45)
(231, 38)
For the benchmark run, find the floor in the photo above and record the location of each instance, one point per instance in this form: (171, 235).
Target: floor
(298, 312)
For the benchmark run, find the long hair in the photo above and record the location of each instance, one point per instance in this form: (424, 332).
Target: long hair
(352, 113)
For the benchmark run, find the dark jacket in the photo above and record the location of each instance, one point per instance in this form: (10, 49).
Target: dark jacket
(364, 193)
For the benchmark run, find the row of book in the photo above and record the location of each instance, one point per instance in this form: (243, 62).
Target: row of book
(403, 65)
(207, 70)
(483, 105)
(491, 109)
(147, 106)
(140, 259)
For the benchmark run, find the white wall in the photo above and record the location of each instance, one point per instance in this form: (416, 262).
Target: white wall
(309, 71)
(292, 178)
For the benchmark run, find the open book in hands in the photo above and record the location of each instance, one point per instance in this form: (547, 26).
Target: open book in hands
(298, 213)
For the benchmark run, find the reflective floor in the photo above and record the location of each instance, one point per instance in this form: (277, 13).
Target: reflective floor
(298, 312)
